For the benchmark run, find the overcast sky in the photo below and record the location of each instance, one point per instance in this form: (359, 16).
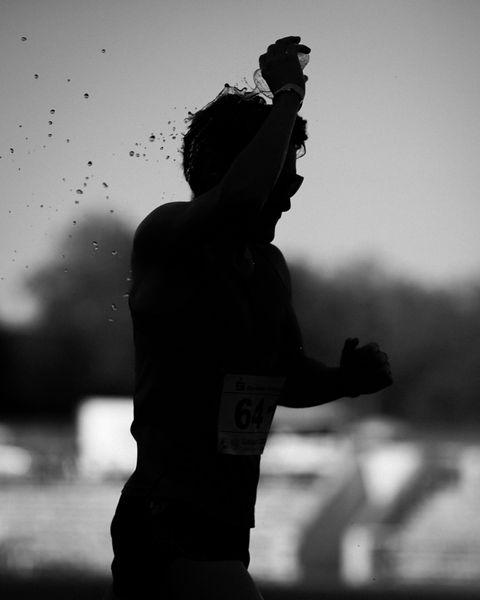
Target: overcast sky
(392, 168)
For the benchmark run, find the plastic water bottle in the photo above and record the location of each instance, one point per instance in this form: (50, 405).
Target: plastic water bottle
(262, 85)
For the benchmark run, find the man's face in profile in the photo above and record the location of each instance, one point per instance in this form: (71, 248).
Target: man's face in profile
(278, 202)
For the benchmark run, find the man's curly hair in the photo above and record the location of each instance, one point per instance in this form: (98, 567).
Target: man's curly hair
(222, 129)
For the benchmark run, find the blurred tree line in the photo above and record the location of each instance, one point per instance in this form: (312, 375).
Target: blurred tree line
(432, 337)
(81, 344)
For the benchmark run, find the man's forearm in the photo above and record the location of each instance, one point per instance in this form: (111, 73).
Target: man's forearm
(254, 172)
(311, 384)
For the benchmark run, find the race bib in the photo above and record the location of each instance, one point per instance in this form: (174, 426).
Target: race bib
(247, 406)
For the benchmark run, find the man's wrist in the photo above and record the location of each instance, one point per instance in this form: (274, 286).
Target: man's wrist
(288, 96)
(346, 386)
(292, 87)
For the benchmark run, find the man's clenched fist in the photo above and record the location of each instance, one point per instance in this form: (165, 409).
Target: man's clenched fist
(364, 370)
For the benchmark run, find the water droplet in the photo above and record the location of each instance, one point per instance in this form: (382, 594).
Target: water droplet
(36, 75)
(23, 38)
(95, 245)
(74, 222)
(86, 96)
(12, 150)
(69, 80)
(77, 202)
(68, 140)
(152, 138)
(137, 154)
(52, 111)
(114, 252)
(110, 320)
(132, 153)
(103, 50)
(79, 191)
(105, 185)
(167, 157)
(114, 307)
(50, 134)
(111, 211)
(89, 163)
(50, 122)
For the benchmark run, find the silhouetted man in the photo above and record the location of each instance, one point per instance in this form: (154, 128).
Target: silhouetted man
(218, 347)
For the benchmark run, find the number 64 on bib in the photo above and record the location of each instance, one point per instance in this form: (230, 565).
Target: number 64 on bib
(247, 406)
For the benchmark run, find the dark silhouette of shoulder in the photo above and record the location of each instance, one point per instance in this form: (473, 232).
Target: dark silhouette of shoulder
(179, 226)
(158, 227)
(278, 262)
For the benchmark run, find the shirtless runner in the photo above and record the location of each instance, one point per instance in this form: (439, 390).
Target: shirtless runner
(218, 347)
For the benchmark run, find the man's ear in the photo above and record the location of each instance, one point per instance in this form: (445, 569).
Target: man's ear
(211, 168)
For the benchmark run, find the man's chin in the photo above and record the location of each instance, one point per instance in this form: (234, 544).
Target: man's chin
(264, 236)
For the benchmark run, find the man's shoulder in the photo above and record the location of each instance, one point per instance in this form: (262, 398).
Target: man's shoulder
(275, 255)
(156, 228)
(276, 258)
(162, 216)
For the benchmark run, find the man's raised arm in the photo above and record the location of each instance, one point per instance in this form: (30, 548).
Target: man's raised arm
(246, 185)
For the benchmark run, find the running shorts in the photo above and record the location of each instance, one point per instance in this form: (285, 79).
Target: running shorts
(149, 534)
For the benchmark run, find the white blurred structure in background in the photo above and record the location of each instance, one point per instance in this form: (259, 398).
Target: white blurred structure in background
(106, 447)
